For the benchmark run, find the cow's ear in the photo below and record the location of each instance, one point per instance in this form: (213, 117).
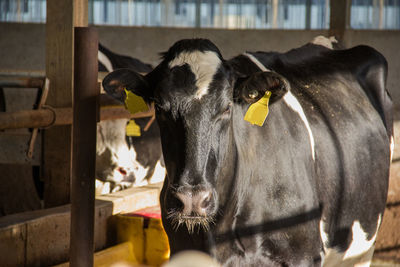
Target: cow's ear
(117, 81)
(252, 88)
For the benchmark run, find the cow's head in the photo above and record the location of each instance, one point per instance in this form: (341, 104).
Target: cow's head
(198, 98)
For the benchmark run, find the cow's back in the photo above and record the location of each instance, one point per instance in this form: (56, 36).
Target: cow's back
(344, 98)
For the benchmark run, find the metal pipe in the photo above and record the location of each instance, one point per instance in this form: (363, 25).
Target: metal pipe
(47, 117)
(86, 108)
(15, 72)
(22, 82)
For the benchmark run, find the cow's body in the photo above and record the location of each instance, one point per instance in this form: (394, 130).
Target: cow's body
(307, 188)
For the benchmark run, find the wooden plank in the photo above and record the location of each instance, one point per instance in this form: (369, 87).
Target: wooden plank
(41, 237)
(62, 16)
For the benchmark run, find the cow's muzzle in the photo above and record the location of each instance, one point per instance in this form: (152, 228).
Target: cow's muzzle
(192, 207)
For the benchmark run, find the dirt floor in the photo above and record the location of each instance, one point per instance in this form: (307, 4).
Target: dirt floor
(388, 241)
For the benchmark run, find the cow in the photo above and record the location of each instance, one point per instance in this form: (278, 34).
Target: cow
(123, 161)
(306, 188)
(109, 61)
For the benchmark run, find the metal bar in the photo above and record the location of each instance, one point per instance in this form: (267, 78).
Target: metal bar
(47, 117)
(85, 109)
(30, 73)
(22, 82)
(26, 119)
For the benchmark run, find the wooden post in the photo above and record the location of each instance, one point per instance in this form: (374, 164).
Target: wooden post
(339, 18)
(198, 14)
(86, 92)
(62, 16)
(308, 14)
(221, 13)
(275, 6)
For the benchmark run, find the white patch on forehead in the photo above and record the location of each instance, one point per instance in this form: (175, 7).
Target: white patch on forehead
(359, 252)
(105, 61)
(204, 65)
(292, 102)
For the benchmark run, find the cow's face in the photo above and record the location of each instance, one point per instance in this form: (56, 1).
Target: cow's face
(196, 94)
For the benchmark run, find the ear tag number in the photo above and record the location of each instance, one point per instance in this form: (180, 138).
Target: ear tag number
(134, 103)
(132, 129)
(258, 111)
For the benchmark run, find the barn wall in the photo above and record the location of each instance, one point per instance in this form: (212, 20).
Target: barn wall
(22, 46)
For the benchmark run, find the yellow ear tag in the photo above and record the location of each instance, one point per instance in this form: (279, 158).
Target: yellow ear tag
(134, 103)
(132, 129)
(258, 111)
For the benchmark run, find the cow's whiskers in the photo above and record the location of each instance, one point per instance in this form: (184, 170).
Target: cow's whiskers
(191, 222)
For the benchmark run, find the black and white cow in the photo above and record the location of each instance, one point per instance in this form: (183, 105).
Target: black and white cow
(308, 188)
(109, 61)
(123, 161)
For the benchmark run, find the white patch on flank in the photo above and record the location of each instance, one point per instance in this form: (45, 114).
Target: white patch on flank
(391, 148)
(324, 41)
(291, 101)
(294, 104)
(256, 61)
(204, 65)
(359, 252)
(105, 61)
(324, 236)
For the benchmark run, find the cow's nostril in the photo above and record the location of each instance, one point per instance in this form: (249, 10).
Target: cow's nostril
(196, 203)
(122, 171)
(178, 203)
(184, 202)
(206, 201)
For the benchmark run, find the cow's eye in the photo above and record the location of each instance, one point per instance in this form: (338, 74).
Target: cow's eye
(227, 110)
(156, 107)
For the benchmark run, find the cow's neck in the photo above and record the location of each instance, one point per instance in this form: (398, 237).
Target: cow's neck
(258, 177)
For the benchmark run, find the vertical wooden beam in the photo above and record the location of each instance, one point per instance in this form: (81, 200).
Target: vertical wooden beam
(339, 18)
(198, 14)
(62, 16)
(308, 14)
(221, 13)
(275, 6)
(381, 7)
(86, 91)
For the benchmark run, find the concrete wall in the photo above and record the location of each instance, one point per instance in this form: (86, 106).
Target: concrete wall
(22, 46)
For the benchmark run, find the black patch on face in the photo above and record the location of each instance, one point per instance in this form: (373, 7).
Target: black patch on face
(176, 90)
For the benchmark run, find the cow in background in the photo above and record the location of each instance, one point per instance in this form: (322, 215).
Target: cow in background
(124, 161)
(109, 61)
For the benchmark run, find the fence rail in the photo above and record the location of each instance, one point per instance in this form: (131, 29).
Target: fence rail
(48, 116)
